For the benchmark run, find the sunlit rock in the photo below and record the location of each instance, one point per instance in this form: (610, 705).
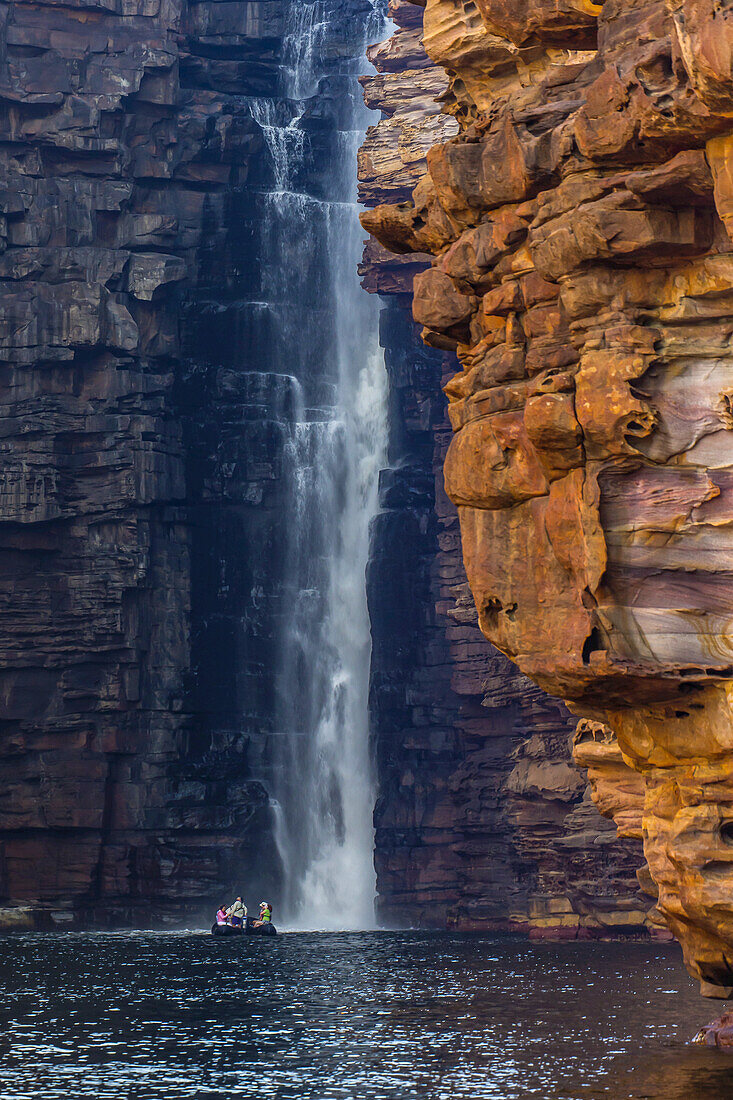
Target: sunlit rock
(592, 462)
(482, 821)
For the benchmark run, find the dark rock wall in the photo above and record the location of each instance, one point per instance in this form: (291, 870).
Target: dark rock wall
(134, 457)
(150, 391)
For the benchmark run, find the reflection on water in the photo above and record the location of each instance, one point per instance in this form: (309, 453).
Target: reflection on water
(368, 1015)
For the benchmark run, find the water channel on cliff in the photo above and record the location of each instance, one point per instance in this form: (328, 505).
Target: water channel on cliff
(326, 349)
(380, 1016)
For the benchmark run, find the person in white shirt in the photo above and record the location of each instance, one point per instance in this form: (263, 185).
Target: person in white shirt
(237, 913)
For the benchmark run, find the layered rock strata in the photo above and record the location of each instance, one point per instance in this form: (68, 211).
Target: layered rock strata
(147, 416)
(481, 820)
(122, 141)
(583, 272)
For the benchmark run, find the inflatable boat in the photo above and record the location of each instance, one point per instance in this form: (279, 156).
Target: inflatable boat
(247, 929)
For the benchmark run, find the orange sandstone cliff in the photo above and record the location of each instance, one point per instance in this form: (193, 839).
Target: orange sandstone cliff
(582, 269)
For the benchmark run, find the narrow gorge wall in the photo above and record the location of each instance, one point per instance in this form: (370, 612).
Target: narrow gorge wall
(579, 228)
(482, 819)
(127, 152)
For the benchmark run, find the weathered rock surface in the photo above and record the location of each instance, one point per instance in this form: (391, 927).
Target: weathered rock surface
(141, 491)
(718, 1034)
(482, 819)
(583, 271)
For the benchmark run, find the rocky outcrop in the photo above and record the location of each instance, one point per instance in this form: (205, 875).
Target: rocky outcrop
(583, 272)
(482, 820)
(718, 1034)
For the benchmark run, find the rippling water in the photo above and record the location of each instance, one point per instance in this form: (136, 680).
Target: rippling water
(378, 1015)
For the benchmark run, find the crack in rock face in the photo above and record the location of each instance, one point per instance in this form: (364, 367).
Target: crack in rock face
(580, 225)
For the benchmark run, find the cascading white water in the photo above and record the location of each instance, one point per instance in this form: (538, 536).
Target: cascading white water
(338, 445)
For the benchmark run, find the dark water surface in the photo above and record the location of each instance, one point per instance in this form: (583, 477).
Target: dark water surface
(371, 1015)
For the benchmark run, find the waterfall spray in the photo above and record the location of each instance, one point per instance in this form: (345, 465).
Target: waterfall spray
(332, 461)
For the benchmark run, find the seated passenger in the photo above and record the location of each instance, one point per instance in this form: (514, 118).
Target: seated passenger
(236, 913)
(221, 915)
(265, 916)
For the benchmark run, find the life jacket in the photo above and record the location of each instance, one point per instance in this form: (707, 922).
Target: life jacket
(266, 916)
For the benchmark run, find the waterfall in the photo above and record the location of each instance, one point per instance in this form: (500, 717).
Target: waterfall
(325, 329)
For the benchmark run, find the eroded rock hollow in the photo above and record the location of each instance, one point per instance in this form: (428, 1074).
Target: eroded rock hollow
(583, 273)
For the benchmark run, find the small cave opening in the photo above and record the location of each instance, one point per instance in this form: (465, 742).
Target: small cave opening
(492, 609)
(593, 644)
(726, 832)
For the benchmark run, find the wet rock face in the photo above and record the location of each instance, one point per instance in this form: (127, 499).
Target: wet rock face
(123, 799)
(583, 271)
(718, 1034)
(482, 820)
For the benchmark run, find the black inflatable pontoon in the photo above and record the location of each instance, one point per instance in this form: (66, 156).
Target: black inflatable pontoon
(248, 929)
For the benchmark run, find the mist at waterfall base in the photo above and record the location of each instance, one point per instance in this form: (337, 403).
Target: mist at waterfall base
(325, 349)
(373, 1015)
